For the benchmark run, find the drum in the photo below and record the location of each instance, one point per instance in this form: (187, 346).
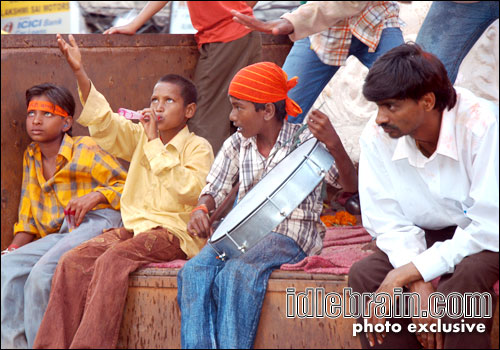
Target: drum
(272, 199)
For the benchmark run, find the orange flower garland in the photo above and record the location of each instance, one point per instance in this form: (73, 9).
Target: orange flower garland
(340, 218)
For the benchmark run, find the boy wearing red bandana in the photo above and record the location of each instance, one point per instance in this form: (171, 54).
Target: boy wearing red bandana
(220, 301)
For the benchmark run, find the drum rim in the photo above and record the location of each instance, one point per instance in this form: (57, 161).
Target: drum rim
(260, 205)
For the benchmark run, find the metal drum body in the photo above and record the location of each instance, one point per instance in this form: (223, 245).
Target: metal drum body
(269, 202)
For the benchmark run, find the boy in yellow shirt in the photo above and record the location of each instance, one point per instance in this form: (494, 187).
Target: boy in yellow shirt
(61, 175)
(168, 168)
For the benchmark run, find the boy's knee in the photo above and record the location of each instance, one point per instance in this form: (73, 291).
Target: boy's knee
(236, 272)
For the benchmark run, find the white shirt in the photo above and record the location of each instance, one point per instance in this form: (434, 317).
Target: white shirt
(402, 192)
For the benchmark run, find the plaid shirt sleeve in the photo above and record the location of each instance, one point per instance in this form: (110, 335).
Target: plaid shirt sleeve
(110, 176)
(26, 222)
(224, 171)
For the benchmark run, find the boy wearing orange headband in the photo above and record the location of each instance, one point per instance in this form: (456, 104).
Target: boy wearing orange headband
(63, 177)
(220, 301)
(168, 168)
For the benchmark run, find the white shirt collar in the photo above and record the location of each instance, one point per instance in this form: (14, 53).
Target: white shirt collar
(447, 146)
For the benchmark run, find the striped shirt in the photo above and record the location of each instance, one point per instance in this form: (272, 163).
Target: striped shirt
(332, 45)
(239, 159)
(81, 167)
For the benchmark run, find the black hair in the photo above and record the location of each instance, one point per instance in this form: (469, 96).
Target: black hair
(188, 89)
(279, 107)
(407, 71)
(58, 95)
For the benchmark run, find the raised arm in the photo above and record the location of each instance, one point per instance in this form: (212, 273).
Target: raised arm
(72, 54)
(323, 130)
(151, 8)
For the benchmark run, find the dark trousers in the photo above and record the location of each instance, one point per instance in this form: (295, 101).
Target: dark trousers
(216, 67)
(475, 273)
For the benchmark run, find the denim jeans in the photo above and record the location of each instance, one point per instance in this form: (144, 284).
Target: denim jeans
(314, 74)
(451, 29)
(27, 275)
(220, 302)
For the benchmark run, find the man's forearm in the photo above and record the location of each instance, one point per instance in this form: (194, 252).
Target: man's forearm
(151, 8)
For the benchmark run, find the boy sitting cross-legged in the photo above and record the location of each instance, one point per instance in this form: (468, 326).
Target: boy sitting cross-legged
(168, 167)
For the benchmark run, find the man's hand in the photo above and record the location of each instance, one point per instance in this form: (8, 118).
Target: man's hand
(199, 224)
(81, 205)
(321, 127)
(276, 27)
(396, 278)
(128, 29)
(149, 122)
(429, 340)
(388, 284)
(71, 52)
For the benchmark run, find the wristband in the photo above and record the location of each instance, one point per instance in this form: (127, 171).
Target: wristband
(202, 207)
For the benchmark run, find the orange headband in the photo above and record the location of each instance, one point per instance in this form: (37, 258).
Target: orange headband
(264, 82)
(47, 106)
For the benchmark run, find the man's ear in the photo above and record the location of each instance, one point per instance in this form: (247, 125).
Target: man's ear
(68, 123)
(269, 111)
(428, 101)
(190, 110)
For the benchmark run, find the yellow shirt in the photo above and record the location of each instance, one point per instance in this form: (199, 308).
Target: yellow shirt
(163, 181)
(81, 167)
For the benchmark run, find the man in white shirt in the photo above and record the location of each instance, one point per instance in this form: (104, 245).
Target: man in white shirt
(428, 183)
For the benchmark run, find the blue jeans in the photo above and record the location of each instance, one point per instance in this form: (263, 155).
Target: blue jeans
(314, 74)
(220, 301)
(450, 30)
(27, 276)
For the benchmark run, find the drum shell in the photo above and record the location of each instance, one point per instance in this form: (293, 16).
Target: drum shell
(265, 218)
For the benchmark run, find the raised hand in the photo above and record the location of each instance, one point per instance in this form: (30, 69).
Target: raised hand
(321, 127)
(276, 27)
(70, 51)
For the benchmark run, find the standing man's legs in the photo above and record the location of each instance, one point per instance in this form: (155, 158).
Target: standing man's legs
(216, 67)
(450, 29)
(389, 39)
(312, 73)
